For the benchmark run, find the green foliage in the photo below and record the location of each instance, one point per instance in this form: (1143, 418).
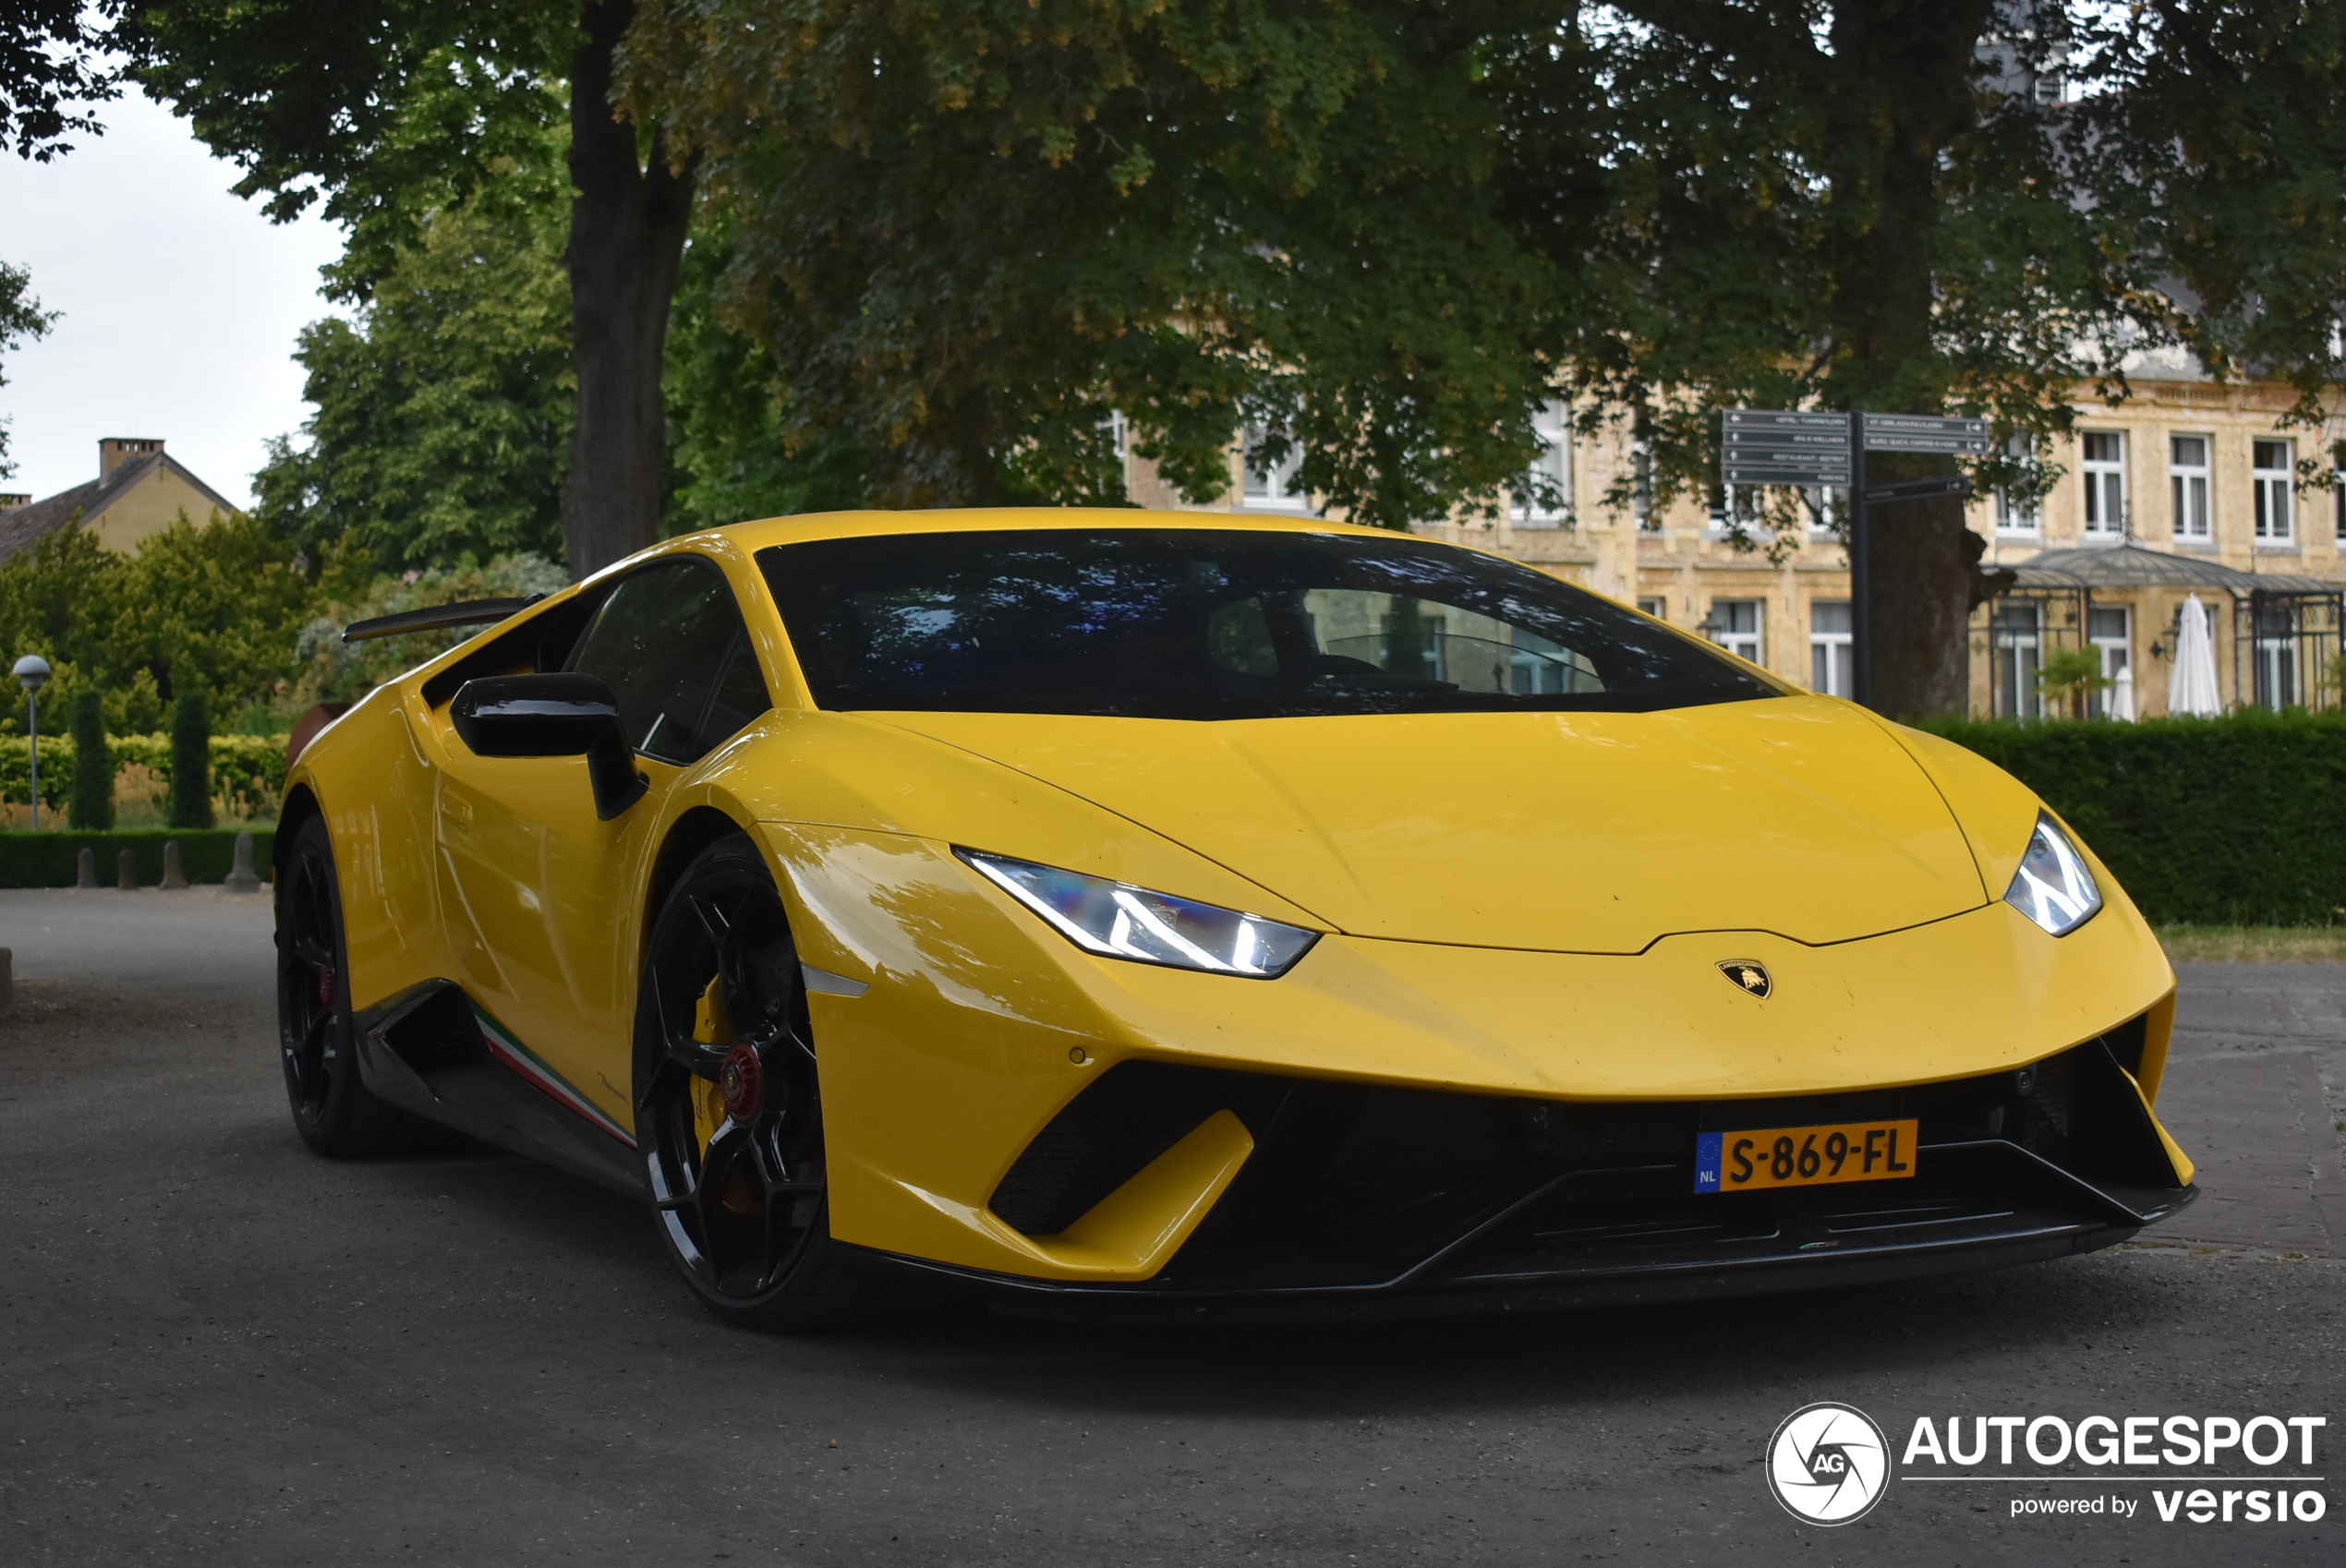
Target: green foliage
(92, 787)
(2233, 821)
(335, 670)
(247, 771)
(443, 418)
(54, 55)
(20, 318)
(214, 609)
(730, 456)
(190, 763)
(2067, 675)
(1030, 214)
(50, 860)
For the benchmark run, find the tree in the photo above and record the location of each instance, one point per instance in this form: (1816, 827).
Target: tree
(216, 610)
(442, 411)
(1927, 207)
(53, 53)
(971, 237)
(393, 109)
(191, 762)
(20, 318)
(93, 765)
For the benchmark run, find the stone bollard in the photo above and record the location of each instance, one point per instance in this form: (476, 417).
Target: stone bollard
(85, 870)
(7, 974)
(240, 874)
(126, 872)
(174, 875)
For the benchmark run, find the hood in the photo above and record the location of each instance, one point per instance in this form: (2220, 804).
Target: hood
(1564, 832)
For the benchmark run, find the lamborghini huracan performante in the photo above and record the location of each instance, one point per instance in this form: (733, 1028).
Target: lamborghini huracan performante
(1108, 911)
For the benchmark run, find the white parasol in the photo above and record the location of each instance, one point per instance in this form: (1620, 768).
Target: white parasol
(2191, 684)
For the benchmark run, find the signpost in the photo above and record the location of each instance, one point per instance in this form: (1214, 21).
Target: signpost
(1759, 446)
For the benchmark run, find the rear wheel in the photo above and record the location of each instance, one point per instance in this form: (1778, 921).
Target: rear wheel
(728, 1106)
(333, 1110)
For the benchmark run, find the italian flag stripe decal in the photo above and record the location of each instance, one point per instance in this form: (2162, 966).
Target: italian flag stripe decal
(512, 1054)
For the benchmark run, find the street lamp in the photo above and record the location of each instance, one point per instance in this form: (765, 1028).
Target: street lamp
(32, 673)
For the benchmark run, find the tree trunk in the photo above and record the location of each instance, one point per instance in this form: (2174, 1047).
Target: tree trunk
(627, 225)
(1900, 82)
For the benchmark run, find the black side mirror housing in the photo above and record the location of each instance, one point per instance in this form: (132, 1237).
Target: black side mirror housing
(552, 715)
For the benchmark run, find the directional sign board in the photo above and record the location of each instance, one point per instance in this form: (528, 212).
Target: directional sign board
(1925, 432)
(1762, 446)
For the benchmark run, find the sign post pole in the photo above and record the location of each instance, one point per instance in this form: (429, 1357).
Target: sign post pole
(1860, 572)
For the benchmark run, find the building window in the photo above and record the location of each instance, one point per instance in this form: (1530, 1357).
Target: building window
(2276, 655)
(1551, 471)
(2014, 514)
(2014, 638)
(2274, 480)
(2110, 631)
(2187, 478)
(1642, 499)
(1832, 652)
(1656, 607)
(2105, 468)
(1271, 487)
(1734, 624)
(2338, 509)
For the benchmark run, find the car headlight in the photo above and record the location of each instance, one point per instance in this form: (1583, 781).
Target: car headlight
(1120, 921)
(2053, 886)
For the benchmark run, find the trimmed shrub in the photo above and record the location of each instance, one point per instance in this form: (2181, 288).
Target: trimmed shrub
(92, 787)
(48, 860)
(252, 766)
(190, 763)
(2233, 821)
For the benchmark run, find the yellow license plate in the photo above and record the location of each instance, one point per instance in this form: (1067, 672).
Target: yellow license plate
(1803, 1156)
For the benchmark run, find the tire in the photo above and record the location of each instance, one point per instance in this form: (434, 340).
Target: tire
(333, 1110)
(742, 1208)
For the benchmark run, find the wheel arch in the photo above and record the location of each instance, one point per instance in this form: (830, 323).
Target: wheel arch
(691, 832)
(299, 806)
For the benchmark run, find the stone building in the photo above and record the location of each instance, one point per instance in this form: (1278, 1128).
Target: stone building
(2187, 487)
(140, 489)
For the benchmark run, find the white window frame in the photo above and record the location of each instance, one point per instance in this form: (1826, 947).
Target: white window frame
(1832, 654)
(2104, 512)
(1654, 604)
(1270, 490)
(1552, 425)
(2025, 648)
(1750, 644)
(2191, 488)
(2274, 491)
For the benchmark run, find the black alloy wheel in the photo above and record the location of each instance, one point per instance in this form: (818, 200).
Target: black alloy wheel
(334, 1111)
(742, 1213)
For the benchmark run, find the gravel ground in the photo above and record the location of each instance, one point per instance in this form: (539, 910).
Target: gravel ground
(215, 1349)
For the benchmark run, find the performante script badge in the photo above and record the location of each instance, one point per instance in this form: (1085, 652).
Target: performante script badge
(1749, 973)
(1828, 1464)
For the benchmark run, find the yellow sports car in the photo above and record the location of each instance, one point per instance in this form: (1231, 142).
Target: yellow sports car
(1110, 911)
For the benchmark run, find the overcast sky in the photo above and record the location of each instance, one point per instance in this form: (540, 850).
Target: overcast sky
(181, 303)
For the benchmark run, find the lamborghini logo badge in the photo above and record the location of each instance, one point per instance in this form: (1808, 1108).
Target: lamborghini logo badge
(1749, 973)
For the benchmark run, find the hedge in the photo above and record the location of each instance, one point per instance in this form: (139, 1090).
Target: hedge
(52, 859)
(252, 766)
(2233, 821)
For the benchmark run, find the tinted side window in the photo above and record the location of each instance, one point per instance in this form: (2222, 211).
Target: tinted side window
(671, 645)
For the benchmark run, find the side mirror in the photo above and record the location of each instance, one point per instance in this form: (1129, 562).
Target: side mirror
(552, 715)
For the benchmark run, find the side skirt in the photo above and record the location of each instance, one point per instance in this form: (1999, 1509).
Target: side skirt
(429, 1051)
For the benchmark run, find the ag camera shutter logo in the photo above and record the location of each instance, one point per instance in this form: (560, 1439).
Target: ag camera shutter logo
(1828, 1464)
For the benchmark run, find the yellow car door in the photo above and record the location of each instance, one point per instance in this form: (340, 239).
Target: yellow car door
(538, 889)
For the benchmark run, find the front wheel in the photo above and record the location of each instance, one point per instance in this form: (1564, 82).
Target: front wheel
(728, 1105)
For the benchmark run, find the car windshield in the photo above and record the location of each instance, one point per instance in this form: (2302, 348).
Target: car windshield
(1216, 624)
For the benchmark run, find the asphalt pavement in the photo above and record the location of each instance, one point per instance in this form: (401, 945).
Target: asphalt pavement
(216, 1348)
